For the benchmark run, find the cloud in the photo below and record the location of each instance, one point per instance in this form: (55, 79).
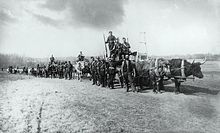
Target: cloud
(56, 5)
(6, 17)
(46, 20)
(99, 14)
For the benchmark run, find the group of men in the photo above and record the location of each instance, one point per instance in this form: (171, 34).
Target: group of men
(116, 47)
(61, 69)
(103, 72)
(54, 69)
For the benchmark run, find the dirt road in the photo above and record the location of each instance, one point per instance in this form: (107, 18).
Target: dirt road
(60, 106)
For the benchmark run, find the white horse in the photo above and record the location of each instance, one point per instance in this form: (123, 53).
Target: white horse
(79, 67)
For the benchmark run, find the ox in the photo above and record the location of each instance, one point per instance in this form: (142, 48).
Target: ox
(181, 69)
(151, 73)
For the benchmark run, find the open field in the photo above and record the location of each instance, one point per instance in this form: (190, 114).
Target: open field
(29, 104)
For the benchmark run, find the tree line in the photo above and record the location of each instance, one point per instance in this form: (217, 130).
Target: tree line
(14, 60)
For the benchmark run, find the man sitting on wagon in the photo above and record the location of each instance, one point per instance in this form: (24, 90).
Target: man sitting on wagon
(81, 56)
(119, 48)
(111, 43)
(52, 59)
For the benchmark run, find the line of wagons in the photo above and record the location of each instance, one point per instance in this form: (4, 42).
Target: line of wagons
(49, 71)
(150, 72)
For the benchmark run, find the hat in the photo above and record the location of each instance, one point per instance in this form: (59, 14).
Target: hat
(126, 56)
(110, 58)
(110, 32)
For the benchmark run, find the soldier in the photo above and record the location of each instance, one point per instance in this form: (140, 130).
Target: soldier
(48, 70)
(70, 70)
(23, 70)
(103, 73)
(44, 71)
(81, 56)
(52, 59)
(10, 69)
(127, 72)
(60, 70)
(65, 70)
(126, 47)
(98, 66)
(93, 70)
(111, 73)
(38, 70)
(32, 71)
(119, 49)
(111, 43)
(159, 80)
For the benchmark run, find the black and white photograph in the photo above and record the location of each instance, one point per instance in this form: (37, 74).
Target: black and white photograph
(109, 66)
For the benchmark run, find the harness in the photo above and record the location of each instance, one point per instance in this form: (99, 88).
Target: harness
(183, 69)
(182, 77)
(111, 67)
(156, 68)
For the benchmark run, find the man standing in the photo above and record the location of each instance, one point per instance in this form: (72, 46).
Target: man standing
(126, 47)
(93, 71)
(128, 72)
(111, 43)
(69, 70)
(103, 76)
(65, 70)
(38, 70)
(111, 73)
(98, 67)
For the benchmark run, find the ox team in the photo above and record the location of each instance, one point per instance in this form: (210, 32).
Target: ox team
(103, 70)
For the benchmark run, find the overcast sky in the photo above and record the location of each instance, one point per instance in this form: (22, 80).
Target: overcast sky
(39, 28)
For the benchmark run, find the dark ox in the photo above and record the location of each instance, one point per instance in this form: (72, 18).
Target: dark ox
(151, 75)
(179, 67)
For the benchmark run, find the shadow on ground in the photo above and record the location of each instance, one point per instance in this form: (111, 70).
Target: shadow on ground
(193, 90)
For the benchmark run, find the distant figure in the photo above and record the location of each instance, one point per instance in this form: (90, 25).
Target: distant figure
(65, 70)
(10, 69)
(2, 69)
(81, 56)
(69, 70)
(111, 43)
(52, 59)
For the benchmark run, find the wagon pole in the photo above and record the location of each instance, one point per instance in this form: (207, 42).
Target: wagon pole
(144, 42)
(106, 52)
(127, 37)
